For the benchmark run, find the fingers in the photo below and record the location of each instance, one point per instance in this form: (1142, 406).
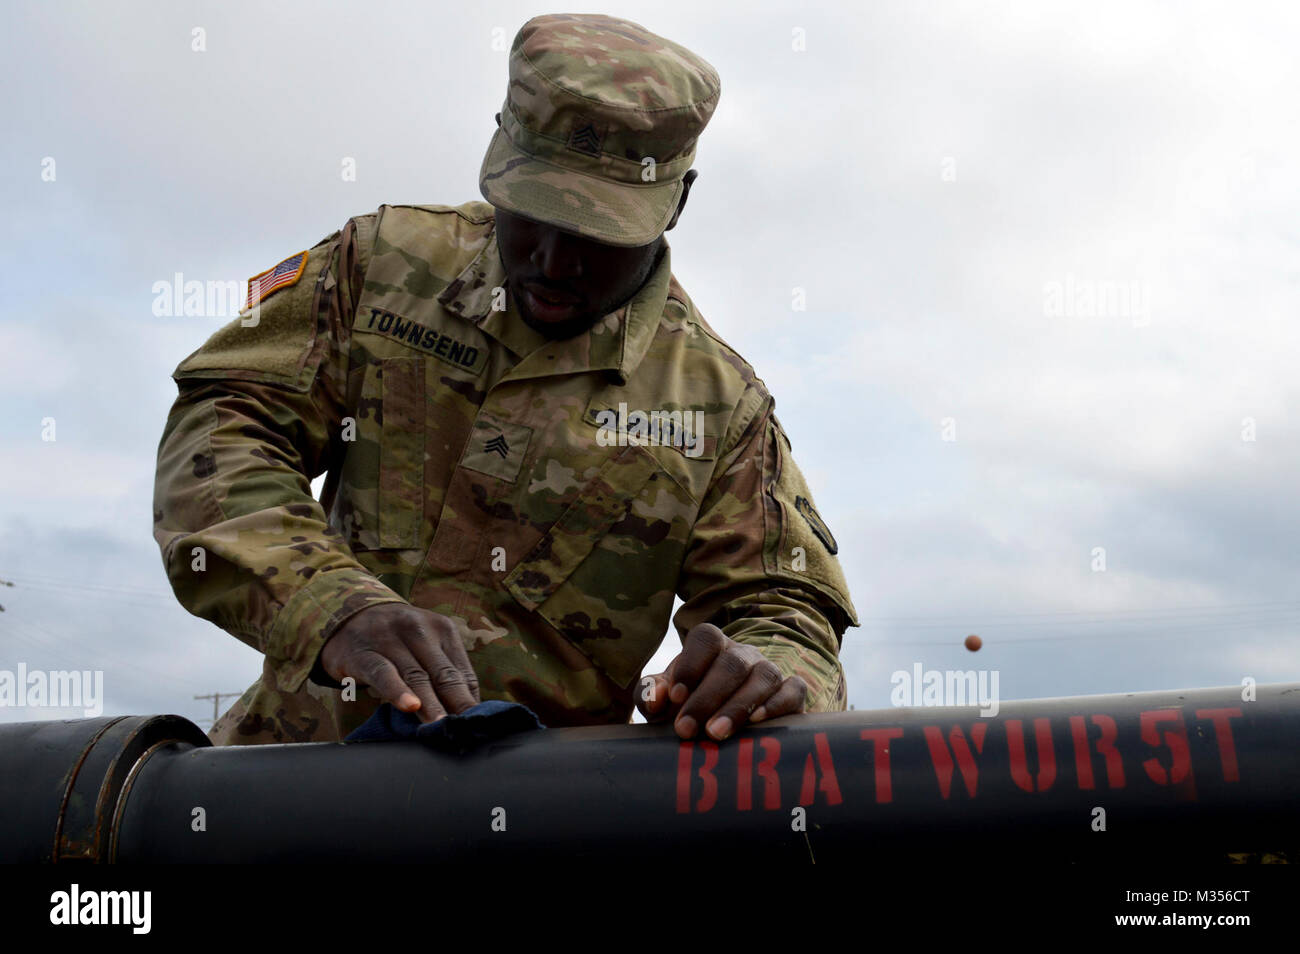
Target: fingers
(440, 681)
(787, 700)
(459, 657)
(652, 697)
(699, 650)
(431, 707)
(763, 681)
(729, 671)
(410, 657)
(720, 685)
(393, 679)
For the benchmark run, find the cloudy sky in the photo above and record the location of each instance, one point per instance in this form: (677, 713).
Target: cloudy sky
(1048, 253)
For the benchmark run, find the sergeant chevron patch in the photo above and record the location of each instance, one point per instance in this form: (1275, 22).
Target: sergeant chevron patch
(497, 447)
(585, 140)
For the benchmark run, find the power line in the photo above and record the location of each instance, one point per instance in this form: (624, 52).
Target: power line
(914, 621)
(216, 698)
(1136, 614)
(60, 644)
(151, 599)
(66, 581)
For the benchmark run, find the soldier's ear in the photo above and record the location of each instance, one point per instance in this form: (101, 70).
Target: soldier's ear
(686, 191)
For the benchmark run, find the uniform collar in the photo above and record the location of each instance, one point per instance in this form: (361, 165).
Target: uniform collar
(615, 343)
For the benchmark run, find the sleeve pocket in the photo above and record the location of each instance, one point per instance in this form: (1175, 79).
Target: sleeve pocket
(803, 549)
(381, 490)
(401, 453)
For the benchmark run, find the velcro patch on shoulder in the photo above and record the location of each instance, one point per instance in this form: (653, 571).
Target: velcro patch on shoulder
(279, 276)
(803, 548)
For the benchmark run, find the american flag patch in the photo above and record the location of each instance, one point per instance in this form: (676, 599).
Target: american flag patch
(286, 273)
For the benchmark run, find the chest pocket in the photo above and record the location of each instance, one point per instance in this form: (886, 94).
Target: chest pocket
(594, 576)
(383, 470)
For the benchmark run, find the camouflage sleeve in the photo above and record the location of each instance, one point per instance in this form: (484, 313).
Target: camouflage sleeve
(761, 564)
(259, 414)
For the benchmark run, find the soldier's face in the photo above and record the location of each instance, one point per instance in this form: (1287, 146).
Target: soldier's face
(562, 283)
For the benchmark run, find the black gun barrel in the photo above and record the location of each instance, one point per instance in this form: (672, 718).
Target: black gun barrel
(1199, 773)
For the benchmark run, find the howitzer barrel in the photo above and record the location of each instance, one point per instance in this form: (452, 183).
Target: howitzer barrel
(1194, 773)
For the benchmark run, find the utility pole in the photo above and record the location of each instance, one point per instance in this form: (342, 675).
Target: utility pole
(216, 698)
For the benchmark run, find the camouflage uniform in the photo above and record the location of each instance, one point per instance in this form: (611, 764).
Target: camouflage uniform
(473, 471)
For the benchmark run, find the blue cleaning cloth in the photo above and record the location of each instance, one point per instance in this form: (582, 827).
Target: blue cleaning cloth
(457, 733)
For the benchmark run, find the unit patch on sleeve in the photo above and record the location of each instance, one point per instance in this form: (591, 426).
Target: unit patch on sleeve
(823, 532)
(281, 276)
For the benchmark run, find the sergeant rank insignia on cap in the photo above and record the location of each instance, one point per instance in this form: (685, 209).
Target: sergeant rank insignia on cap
(281, 276)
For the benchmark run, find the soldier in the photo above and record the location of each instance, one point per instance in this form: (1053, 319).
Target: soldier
(532, 437)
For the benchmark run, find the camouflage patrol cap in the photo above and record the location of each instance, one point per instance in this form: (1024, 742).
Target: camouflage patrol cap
(599, 126)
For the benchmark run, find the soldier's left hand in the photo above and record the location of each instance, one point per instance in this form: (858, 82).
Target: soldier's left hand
(719, 684)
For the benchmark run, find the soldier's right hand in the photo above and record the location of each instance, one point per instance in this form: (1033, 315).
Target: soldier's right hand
(411, 657)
